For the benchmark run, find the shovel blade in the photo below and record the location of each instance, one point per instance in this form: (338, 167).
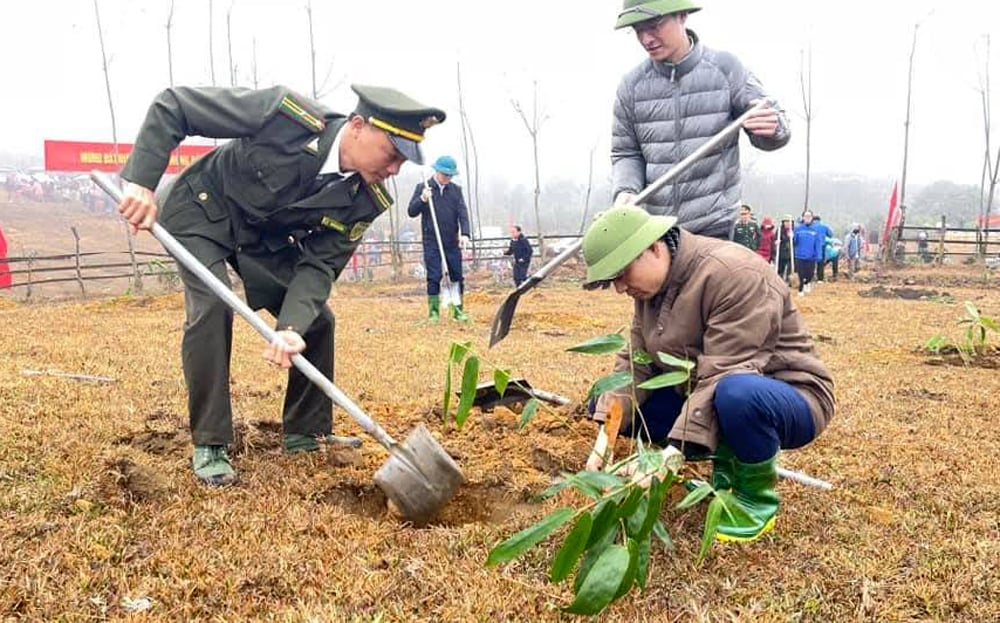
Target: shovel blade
(420, 478)
(505, 315)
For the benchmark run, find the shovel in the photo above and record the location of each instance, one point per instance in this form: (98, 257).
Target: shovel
(505, 315)
(451, 296)
(419, 477)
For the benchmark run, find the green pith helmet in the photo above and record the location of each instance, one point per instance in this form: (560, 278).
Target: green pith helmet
(635, 11)
(617, 237)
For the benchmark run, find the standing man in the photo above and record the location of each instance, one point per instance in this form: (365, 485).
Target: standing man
(285, 203)
(673, 102)
(808, 244)
(745, 231)
(855, 248)
(785, 231)
(824, 236)
(520, 248)
(453, 225)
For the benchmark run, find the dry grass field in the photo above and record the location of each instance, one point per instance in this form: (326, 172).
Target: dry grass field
(98, 508)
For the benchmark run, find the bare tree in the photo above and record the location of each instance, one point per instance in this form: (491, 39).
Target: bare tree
(471, 171)
(805, 82)
(533, 126)
(991, 168)
(395, 254)
(136, 275)
(253, 66)
(895, 234)
(170, 48)
(211, 42)
(321, 89)
(590, 186)
(229, 43)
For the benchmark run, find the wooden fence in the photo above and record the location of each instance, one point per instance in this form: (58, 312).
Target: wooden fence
(372, 261)
(942, 242)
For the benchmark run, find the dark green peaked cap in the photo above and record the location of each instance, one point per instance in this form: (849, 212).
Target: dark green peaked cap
(404, 118)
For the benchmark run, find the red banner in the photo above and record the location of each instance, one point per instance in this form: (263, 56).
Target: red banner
(74, 156)
(894, 216)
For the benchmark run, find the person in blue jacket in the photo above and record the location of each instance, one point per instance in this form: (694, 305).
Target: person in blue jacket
(453, 222)
(808, 242)
(825, 234)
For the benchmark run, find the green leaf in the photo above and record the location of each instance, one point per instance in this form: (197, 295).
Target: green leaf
(604, 345)
(712, 519)
(597, 481)
(628, 580)
(529, 413)
(459, 351)
(529, 537)
(500, 380)
(605, 518)
(675, 362)
(699, 494)
(667, 379)
(571, 549)
(642, 573)
(470, 378)
(553, 490)
(610, 383)
(990, 324)
(661, 533)
(657, 493)
(642, 358)
(599, 587)
(633, 523)
(446, 403)
(631, 503)
(972, 310)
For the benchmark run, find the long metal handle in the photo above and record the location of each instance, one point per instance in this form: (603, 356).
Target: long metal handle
(663, 180)
(437, 230)
(190, 262)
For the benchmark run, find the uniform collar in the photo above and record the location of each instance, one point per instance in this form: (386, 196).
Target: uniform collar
(332, 163)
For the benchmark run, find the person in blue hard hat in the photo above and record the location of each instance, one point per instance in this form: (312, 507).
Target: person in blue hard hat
(453, 225)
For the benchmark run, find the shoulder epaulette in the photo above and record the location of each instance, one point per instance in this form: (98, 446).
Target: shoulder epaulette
(295, 110)
(380, 196)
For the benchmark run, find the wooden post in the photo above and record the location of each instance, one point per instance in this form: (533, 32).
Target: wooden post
(30, 257)
(944, 230)
(79, 274)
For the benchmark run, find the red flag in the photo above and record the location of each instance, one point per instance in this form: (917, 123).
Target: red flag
(895, 214)
(4, 266)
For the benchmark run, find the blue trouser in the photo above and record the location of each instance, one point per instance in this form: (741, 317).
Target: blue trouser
(757, 416)
(432, 261)
(521, 271)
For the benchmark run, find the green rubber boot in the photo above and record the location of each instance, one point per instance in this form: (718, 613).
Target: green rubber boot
(757, 501)
(458, 314)
(434, 302)
(296, 443)
(722, 467)
(212, 466)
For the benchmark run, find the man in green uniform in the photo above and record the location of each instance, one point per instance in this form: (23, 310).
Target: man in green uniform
(285, 203)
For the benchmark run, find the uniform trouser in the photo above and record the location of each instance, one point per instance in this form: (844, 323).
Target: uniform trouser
(432, 261)
(521, 271)
(757, 416)
(206, 350)
(805, 269)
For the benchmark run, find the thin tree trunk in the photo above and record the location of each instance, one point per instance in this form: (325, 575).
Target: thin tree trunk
(990, 170)
(229, 44)
(805, 81)
(170, 47)
(471, 168)
(533, 127)
(312, 50)
(906, 138)
(79, 273)
(253, 69)
(394, 230)
(211, 42)
(136, 276)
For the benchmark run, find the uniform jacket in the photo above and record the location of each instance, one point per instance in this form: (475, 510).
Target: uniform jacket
(663, 112)
(256, 196)
(746, 234)
(729, 313)
(520, 248)
(450, 209)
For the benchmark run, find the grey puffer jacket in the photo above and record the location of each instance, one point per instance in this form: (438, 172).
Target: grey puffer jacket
(663, 112)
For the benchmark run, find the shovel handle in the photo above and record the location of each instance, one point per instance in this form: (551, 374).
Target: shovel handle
(191, 263)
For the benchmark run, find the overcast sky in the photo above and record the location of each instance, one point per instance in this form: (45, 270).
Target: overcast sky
(54, 85)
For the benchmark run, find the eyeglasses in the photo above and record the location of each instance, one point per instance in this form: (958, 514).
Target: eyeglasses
(650, 26)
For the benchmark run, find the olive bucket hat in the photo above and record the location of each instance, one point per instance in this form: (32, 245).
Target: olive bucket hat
(616, 238)
(635, 11)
